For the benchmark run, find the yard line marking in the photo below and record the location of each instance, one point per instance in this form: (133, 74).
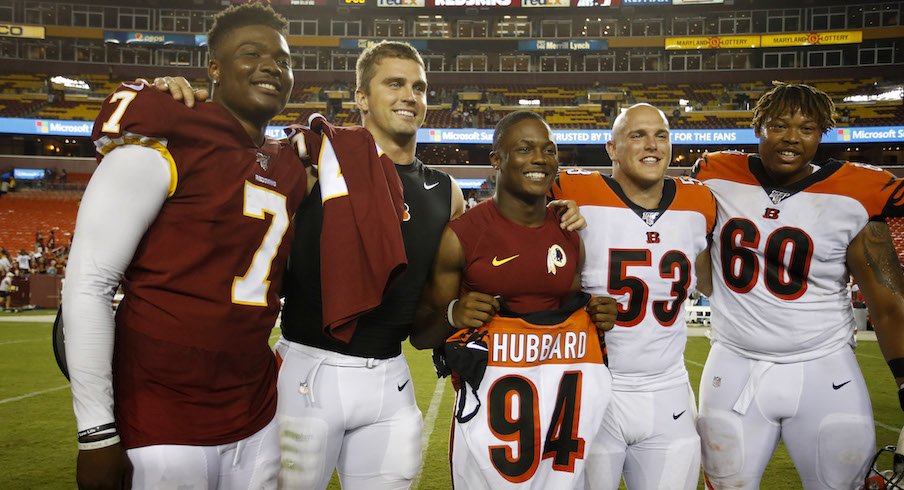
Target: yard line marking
(29, 395)
(430, 424)
(20, 341)
(887, 427)
(869, 355)
(695, 363)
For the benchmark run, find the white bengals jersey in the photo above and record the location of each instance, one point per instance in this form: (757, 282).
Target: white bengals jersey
(538, 406)
(779, 253)
(644, 258)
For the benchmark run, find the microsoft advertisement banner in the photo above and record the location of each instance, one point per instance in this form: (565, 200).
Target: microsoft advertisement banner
(727, 137)
(712, 137)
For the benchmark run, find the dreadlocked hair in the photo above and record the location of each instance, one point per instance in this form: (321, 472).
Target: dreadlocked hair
(246, 14)
(788, 98)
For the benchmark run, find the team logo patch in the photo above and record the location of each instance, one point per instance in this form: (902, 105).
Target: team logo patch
(777, 196)
(555, 258)
(650, 217)
(717, 381)
(263, 161)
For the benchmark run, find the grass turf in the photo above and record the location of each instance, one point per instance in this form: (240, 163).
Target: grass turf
(37, 428)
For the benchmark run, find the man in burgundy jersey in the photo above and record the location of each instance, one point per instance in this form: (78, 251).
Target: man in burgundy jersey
(326, 435)
(191, 211)
(512, 248)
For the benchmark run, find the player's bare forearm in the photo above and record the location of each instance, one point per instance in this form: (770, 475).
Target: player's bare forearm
(704, 268)
(430, 328)
(875, 266)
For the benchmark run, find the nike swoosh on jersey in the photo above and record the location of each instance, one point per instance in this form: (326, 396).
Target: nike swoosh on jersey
(403, 385)
(836, 387)
(497, 262)
(431, 186)
(675, 417)
(476, 346)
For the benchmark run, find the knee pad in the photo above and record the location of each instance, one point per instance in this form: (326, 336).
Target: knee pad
(722, 444)
(406, 455)
(303, 443)
(846, 443)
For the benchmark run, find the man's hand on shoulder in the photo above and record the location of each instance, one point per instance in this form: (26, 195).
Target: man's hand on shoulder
(179, 88)
(104, 468)
(570, 217)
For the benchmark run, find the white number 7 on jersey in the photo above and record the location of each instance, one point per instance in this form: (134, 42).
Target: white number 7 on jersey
(251, 289)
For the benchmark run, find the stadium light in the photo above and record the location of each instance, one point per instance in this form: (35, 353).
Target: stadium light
(70, 83)
(893, 94)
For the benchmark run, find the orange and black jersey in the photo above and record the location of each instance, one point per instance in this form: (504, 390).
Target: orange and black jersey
(645, 259)
(780, 253)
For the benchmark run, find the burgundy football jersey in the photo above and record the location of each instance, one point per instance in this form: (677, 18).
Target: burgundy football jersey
(192, 364)
(532, 269)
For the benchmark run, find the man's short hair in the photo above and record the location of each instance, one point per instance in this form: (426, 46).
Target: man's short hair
(510, 120)
(366, 65)
(246, 14)
(788, 98)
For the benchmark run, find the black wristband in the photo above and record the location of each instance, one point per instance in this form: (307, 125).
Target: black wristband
(897, 367)
(99, 428)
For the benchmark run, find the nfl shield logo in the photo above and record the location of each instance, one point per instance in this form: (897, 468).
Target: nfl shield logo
(777, 196)
(717, 381)
(650, 217)
(263, 161)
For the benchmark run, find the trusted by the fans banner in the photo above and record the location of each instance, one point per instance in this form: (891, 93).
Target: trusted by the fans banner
(730, 136)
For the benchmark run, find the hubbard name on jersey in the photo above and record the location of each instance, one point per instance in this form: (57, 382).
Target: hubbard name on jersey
(787, 247)
(529, 418)
(644, 258)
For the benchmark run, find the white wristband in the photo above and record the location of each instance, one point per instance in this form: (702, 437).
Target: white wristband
(449, 311)
(86, 446)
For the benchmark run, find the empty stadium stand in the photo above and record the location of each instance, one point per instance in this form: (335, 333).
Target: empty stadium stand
(23, 213)
(566, 106)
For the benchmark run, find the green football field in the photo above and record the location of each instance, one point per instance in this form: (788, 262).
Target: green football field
(37, 428)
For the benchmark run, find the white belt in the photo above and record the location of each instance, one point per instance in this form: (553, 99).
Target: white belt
(329, 358)
(752, 386)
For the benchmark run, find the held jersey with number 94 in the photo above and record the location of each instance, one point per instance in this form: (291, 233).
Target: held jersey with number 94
(779, 253)
(201, 290)
(539, 404)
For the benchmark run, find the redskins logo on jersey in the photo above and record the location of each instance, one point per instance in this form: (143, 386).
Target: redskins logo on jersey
(555, 258)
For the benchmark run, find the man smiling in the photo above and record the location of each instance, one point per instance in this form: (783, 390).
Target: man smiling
(789, 232)
(189, 210)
